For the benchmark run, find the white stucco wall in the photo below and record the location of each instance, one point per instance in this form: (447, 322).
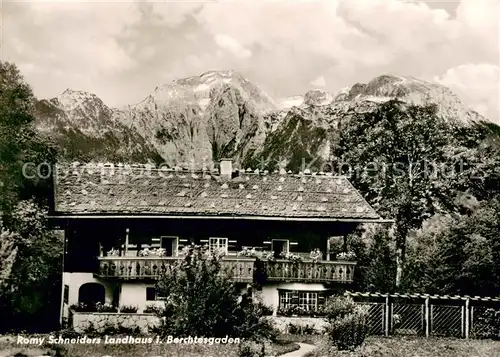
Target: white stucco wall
(134, 294)
(75, 280)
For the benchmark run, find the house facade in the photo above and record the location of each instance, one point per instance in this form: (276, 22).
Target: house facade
(125, 226)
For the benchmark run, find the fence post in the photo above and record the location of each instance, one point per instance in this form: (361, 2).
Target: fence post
(427, 322)
(467, 318)
(386, 327)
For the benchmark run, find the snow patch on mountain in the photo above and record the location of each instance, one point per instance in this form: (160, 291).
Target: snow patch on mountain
(318, 97)
(292, 101)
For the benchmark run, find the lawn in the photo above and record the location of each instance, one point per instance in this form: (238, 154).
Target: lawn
(10, 348)
(411, 347)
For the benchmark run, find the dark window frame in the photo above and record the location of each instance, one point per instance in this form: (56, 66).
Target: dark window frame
(301, 298)
(151, 291)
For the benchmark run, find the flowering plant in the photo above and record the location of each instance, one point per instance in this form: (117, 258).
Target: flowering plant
(97, 307)
(146, 252)
(185, 251)
(113, 252)
(346, 256)
(295, 310)
(252, 252)
(215, 252)
(316, 255)
(160, 252)
(130, 309)
(267, 255)
(153, 309)
(100, 307)
(291, 257)
(249, 253)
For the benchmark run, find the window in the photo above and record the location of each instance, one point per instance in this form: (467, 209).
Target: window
(152, 294)
(66, 293)
(306, 300)
(215, 243)
(285, 299)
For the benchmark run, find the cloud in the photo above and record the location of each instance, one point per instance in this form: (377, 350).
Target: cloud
(279, 45)
(231, 45)
(477, 84)
(70, 44)
(319, 82)
(172, 13)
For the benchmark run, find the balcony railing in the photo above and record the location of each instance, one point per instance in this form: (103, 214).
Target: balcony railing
(322, 271)
(242, 269)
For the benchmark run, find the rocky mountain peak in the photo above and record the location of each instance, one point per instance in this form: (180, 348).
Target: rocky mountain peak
(412, 91)
(318, 97)
(197, 90)
(72, 99)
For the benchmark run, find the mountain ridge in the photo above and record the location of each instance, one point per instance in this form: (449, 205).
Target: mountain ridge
(221, 113)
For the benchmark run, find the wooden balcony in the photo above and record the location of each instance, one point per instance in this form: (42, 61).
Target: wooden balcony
(319, 272)
(145, 268)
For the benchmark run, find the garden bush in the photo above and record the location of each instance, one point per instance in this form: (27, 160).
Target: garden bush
(201, 299)
(264, 309)
(487, 324)
(296, 329)
(251, 349)
(347, 323)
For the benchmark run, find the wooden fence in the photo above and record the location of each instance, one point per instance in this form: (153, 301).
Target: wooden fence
(431, 315)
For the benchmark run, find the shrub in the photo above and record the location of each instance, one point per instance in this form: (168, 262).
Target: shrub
(128, 309)
(347, 323)
(90, 330)
(251, 349)
(201, 299)
(69, 333)
(301, 329)
(59, 351)
(487, 324)
(264, 309)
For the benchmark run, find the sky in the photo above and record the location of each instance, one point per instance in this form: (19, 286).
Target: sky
(122, 50)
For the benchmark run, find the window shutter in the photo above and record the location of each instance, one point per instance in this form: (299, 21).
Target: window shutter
(293, 246)
(295, 297)
(321, 298)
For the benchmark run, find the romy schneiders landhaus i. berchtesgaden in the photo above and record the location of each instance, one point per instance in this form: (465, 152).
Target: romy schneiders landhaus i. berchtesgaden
(125, 225)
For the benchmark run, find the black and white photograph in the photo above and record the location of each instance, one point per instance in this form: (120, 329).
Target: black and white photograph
(250, 178)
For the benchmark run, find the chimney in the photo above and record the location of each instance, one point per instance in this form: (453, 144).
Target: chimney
(226, 168)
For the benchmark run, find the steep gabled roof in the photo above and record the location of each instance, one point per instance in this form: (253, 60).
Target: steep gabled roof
(83, 190)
